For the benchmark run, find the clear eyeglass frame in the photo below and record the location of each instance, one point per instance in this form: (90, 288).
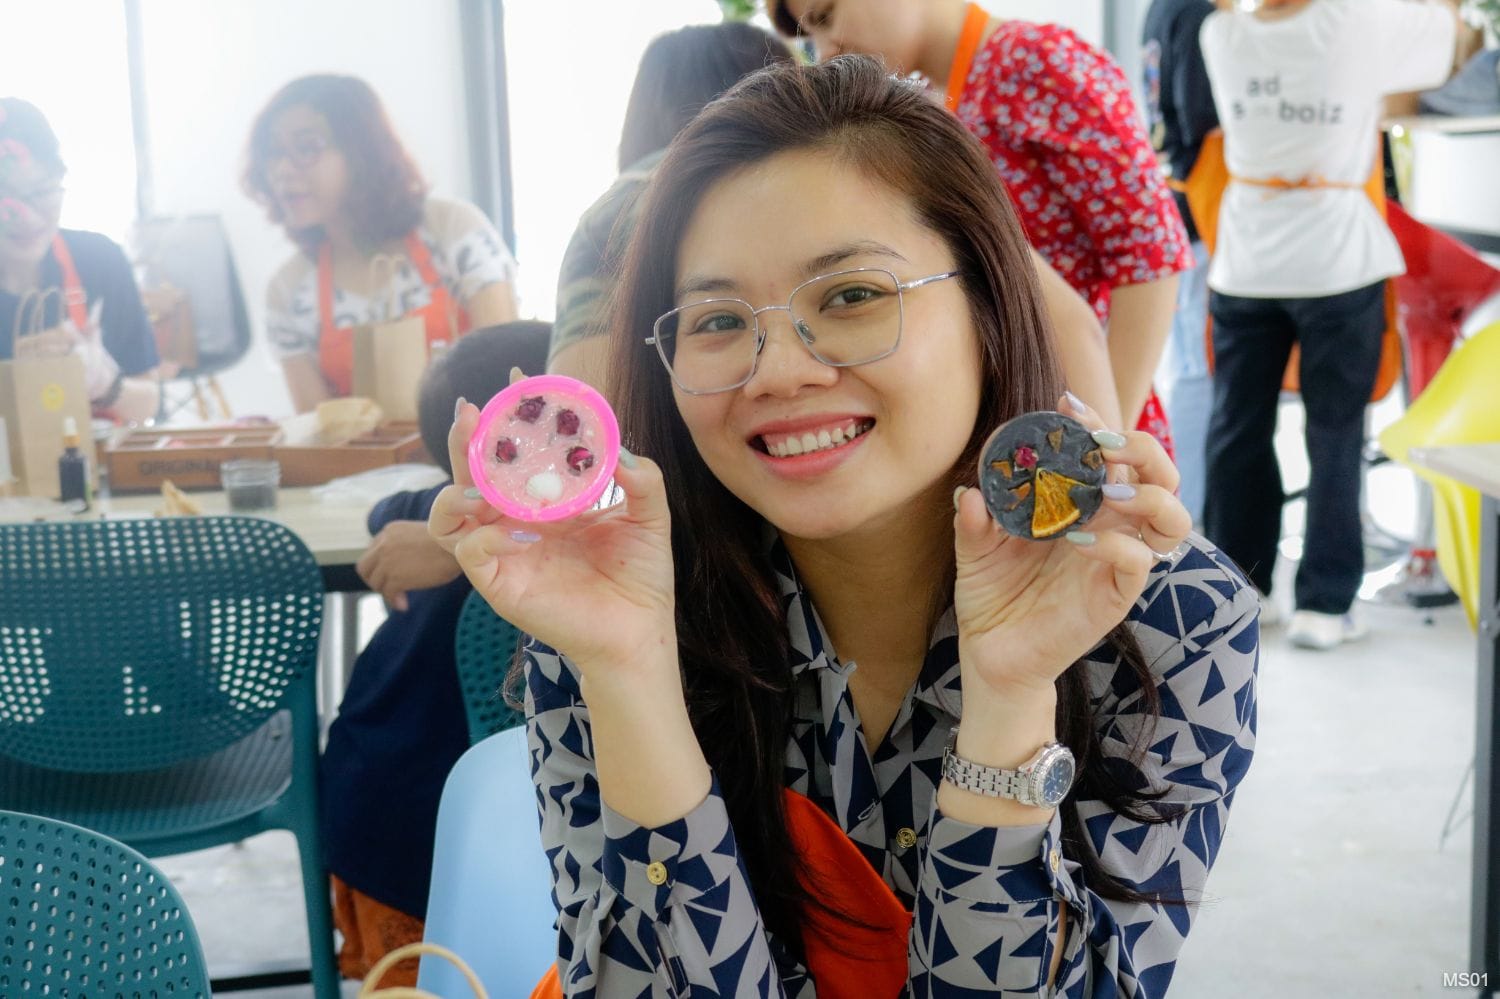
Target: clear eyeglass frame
(799, 325)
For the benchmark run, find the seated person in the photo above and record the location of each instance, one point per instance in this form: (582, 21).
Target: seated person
(98, 313)
(401, 725)
(714, 772)
(328, 168)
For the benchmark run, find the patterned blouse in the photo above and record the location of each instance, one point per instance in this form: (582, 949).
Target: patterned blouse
(986, 901)
(1057, 117)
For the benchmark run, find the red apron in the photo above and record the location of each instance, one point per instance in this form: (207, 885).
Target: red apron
(846, 962)
(444, 318)
(74, 297)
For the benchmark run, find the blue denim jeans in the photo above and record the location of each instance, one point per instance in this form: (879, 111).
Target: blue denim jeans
(1185, 383)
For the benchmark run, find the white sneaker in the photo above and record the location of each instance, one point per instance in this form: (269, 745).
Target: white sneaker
(1314, 630)
(1270, 614)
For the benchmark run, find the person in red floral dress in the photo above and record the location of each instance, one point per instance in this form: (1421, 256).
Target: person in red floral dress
(1057, 118)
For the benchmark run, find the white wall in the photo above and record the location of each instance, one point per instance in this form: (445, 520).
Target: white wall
(210, 67)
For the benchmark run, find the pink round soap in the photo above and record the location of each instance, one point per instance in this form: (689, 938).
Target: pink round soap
(545, 448)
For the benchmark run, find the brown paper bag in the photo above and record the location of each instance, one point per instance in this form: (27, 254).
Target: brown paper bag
(390, 356)
(36, 394)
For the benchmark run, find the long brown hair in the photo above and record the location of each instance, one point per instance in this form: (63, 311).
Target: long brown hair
(386, 191)
(731, 625)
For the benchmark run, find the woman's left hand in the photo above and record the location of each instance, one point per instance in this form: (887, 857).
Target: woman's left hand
(1027, 610)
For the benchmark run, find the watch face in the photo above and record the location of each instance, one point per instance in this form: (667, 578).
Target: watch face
(1056, 778)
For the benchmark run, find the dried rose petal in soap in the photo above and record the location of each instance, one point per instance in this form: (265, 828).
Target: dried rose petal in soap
(580, 459)
(505, 450)
(567, 423)
(530, 409)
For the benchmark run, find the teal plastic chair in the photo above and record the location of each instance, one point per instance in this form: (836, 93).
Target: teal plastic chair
(491, 897)
(88, 916)
(157, 683)
(484, 646)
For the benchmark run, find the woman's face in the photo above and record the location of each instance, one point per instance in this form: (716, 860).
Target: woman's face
(757, 235)
(305, 170)
(891, 29)
(31, 198)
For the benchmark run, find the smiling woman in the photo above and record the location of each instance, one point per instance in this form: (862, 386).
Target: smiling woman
(996, 798)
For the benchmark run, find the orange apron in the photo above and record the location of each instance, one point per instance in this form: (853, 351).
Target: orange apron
(1204, 189)
(444, 318)
(846, 962)
(74, 297)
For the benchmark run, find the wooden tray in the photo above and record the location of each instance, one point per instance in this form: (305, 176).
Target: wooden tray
(141, 459)
(313, 462)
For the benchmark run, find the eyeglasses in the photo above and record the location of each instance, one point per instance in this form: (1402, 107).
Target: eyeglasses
(303, 151)
(843, 319)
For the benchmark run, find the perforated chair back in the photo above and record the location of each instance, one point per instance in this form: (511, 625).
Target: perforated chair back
(134, 644)
(491, 896)
(484, 647)
(88, 916)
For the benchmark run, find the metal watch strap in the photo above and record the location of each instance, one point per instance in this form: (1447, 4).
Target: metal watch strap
(992, 782)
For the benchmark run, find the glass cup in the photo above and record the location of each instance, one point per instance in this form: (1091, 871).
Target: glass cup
(250, 484)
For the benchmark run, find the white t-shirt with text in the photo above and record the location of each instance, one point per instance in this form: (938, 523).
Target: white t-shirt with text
(1300, 100)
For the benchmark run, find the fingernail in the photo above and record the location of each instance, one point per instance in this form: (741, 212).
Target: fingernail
(957, 493)
(1074, 401)
(627, 459)
(1109, 440)
(525, 537)
(1081, 538)
(1118, 491)
(458, 405)
(473, 493)
(516, 374)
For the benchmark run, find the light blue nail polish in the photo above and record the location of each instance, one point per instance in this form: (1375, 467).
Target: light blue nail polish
(473, 493)
(628, 460)
(1081, 538)
(457, 406)
(525, 537)
(1075, 402)
(1109, 440)
(1118, 491)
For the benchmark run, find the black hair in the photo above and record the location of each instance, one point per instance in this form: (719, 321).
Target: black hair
(683, 70)
(476, 367)
(24, 122)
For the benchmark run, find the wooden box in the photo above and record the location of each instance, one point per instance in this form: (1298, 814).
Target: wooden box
(141, 459)
(310, 461)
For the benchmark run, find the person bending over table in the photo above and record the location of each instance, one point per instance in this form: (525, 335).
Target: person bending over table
(328, 168)
(743, 681)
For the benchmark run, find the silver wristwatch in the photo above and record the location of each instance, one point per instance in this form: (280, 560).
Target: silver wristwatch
(1043, 782)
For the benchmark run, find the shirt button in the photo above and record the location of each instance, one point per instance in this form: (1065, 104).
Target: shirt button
(906, 838)
(1055, 860)
(656, 873)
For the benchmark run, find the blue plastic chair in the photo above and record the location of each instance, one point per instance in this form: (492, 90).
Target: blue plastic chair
(491, 898)
(484, 645)
(157, 683)
(89, 916)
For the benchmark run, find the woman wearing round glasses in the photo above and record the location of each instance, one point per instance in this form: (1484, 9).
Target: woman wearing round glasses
(803, 720)
(97, 312)
(327, 166)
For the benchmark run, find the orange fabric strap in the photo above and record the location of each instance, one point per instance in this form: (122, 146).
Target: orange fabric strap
(73, 294)
(969, 40)
(1304, 184)
(416, 252)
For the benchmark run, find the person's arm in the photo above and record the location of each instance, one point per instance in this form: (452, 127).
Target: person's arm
(626, 926)
(484, 269)
(1192, 92)
(1140, 319)
(1014, 893)
(492, 305)
(1415, 44)
(1081, 345)
(402, 556)
(305, 382)
(587, 360)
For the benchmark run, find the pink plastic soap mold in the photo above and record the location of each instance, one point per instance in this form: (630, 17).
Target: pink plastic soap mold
(545, 448)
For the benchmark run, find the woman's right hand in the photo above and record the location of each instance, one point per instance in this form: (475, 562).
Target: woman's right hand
(597, 587)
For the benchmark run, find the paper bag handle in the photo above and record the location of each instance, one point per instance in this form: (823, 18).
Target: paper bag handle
(35, 300)
(387, 265)
(370, 988)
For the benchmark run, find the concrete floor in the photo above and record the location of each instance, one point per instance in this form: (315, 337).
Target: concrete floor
(1334, 879)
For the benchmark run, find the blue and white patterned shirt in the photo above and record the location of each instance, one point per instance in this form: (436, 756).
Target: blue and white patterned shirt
(986, 901)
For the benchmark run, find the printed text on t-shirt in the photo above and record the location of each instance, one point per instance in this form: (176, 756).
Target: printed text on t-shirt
(1263, 100)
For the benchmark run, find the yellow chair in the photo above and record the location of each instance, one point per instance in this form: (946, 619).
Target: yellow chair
(1461, 405)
